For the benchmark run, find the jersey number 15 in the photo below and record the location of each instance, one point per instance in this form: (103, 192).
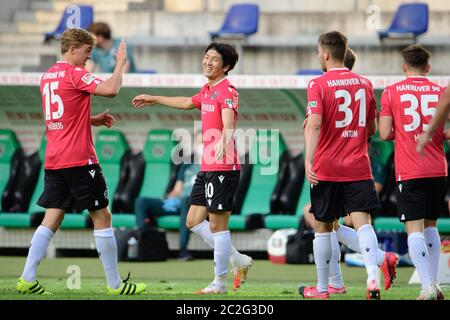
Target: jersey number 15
(52, 98)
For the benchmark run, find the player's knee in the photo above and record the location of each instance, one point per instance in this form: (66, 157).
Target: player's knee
(191, 222)
(102, 218)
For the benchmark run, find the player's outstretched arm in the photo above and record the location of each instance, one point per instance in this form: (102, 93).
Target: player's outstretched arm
(443, 108)
(183, 103)
(110, 88)
(386, 128)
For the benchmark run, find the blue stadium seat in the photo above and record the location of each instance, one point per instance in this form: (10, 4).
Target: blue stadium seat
(410, 20)
(75, 16)
(309, 72)
(241, 20)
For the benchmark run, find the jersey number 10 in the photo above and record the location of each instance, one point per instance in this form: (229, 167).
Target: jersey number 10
(52, 98)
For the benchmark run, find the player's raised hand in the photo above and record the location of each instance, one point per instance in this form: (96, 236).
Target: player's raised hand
(121, 55)
(143, 100)
(103, 119)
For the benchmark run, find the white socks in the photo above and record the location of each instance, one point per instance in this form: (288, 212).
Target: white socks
(368, 245)
(419, 256)
(222, 249)
(335, 276)
(106, 244)
(433, 242)
(322, 256)
(204, 231)
(38, 247)
(349, 237)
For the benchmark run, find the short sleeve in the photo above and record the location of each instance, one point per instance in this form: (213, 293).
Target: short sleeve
(229, 99)
(197, 100)
(85, 81)
(372, 106)
(315, 98)
(386, 110)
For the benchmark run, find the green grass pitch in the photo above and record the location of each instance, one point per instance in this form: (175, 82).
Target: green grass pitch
(179, 279)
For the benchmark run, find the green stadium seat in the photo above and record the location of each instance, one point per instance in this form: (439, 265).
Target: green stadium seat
(158, 171)
(262, 181)
(393, 224)
(9, 145)
(277, 221)
(110, 147)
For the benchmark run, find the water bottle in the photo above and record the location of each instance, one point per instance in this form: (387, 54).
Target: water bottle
(132, 249)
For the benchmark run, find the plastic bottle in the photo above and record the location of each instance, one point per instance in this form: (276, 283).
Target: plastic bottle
(132, 249)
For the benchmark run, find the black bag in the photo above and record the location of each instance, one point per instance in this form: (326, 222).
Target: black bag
(299, 246)
(152, 244)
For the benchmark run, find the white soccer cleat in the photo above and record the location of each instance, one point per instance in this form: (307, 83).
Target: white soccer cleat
(429, 294)
(213, 288)
(241, 272)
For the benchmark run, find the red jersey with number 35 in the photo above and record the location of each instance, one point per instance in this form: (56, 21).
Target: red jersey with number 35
(346, 102)
(412, 104)
(211, 100)
(66, 102)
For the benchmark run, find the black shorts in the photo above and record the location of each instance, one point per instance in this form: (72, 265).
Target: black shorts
(215, 190)
(331, 200)
(79, 187)
(421, 198)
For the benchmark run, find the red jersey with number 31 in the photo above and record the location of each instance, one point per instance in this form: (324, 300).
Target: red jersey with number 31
(412, 104)
(66, 102)
(346, 102)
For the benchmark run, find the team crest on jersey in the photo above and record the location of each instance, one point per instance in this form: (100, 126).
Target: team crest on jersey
(229, 103)
(88, 78)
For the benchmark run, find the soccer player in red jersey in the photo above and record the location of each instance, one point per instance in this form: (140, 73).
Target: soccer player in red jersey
(407, 108)
(387, 261)
(341, 116)
(216, 183)
(72, 172)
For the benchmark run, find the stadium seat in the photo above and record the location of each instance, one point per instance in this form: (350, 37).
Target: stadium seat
(159, 173)
(263, 180)
(111, 146)
(75, 16)
(241, 21)
(282, 221)
(9, 149)
(309, 72)
(410, 21)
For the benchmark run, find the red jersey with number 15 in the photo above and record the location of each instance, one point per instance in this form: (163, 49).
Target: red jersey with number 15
(412, 104)
(346, 102)
(66, 102)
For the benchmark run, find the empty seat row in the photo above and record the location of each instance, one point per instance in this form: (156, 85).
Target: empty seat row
(272, 190)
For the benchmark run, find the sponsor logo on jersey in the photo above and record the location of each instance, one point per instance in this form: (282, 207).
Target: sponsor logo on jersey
(88, 78)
